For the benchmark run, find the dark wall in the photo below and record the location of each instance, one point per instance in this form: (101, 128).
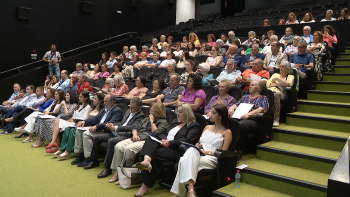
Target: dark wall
(250, 4)
(63, 23)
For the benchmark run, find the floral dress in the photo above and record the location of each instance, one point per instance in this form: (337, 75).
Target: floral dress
(318, 58)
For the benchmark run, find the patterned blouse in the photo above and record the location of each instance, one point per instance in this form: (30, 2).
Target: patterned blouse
(121, 90)
(260, 101)
(71, 109)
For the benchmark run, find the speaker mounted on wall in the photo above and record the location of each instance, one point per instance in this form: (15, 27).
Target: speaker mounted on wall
(24, 13)
(134, 3)
(88, 7)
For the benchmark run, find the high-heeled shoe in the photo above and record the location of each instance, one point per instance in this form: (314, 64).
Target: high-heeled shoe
(51, 145)
(190, 190)
(141, 167)
(64, 156)
(139, 194)
(27, 140)
(21, 134)
(57, 153)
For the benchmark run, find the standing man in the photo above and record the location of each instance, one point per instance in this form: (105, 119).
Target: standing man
(53, 57)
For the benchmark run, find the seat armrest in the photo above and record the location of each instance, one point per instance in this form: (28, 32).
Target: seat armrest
(288, 88)
(183, 147)
(223, 153)
(260, 115)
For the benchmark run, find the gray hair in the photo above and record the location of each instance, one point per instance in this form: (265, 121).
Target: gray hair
(330, 11)
(137, 101)
(144, 46)
(252, 33)
(302, 41)
(119, 79)
(220, 42)
(163, 36)
(111, 81)
(111, 97)
(173, 64)
(231, 33)
(133, 47)
(307, 27)
(155, 39)
(178, 77)
(296, 37)
(84, 76)
(259, 84)
(255, 45)
(274, 37)
(288, 66)
(234, 46)
(232, 60)
(205, 67)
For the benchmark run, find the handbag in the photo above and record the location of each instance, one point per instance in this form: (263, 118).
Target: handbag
(128, 177)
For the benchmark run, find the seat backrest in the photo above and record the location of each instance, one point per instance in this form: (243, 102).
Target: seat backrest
(200, 59)
(236, 92)
(179, 70)
(210, 91)
(91, 81)
(145, 111)
(100, 83)
(234, 127)
(201, 121)
(131, 85)
(215, 71)
(170, 116)
(144, 72)
(123, 107)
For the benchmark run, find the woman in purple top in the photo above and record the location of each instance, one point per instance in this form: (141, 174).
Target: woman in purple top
(194, 95)
(104, 73)
(222, 98)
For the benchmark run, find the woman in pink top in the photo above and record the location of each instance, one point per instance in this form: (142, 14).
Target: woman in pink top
(329, 36)
(139, 89)
(211, 40)
(120, 87)
(103, 74)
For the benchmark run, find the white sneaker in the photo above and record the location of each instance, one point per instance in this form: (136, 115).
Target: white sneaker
(276, 124)
(18, 129)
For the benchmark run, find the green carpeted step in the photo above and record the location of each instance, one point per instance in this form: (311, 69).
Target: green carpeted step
(342, 62)
(344, 55)
(328, 96)
(319, 160)
(317, 138)
(319, 107)
(347, 51)
(343, 77)
(333, 86)
(342, 69)
(319, 121)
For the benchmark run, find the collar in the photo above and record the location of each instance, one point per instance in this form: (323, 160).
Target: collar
(133, 114)
(109, 109)
(302, 54)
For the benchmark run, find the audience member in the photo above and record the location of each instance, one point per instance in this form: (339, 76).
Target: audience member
(86, 68)
(171, 43)
(83, 85)
(165, 63)
(249, 50)
(128, 71)
(79, 69)
(203, 70)
(329, 36)
(248, 59)
(64, 82)
(308, 37)
(281, 22)
(103, 74)
(158, 87)
(162, 42)
(154, 62)
(167, 49)
(16, 91)
(120, 87)
(267, 49)
(231, 54)
(122, 59)
(288, 38)
(191, 49)
(143, 62)
(257, 69)
(266, 23)
(293, 48)
(274, 59)
(224, 38)
(317, 48)
(53, 83)
(178, 51)
(118, 67)
(111, 60)
(222, 98)
(190, 67)
(109, 86)
(184, 57)
(194, 38)
(144, 49)
(267, 41)
(292, 19)
(105, 57)
(344, 14)
(220, 44)
(215, 59)
(204, 50)
(308, 18)
(329, 17)
(47, 81)
(184, 42)
(252, 37)
(140, 88)
(132, 51)
(53, 57)
(154, 44)
(231, 37)
(73, 84)
(211, 40)
(230, 73)
(302, 60)
(171, 70)
(240, 49)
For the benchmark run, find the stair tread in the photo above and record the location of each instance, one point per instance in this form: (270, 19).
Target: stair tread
(321, 115)
(313, 131)
(331, 92)
(303, 149)
(323, 102)
(288, 171)
(250, 190)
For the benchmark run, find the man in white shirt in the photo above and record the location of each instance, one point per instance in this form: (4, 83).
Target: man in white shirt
(329, 15)
(307, 34)
(230, 73)
(16, 89)
(267, 49)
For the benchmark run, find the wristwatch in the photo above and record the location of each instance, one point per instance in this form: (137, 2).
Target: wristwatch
(249, 114)
(302, 66)
(209, 153)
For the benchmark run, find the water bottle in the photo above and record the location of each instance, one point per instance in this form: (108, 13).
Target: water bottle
(238, 179)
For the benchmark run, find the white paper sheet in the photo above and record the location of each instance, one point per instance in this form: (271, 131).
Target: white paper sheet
(46, 116)
(154, 139)
(255, 77)
(242, 109)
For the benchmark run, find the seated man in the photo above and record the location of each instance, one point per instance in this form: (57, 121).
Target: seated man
(252, 37)
(120, 132)
(73, 84)
(267, 49)
(257, 69)
(26, 98)
(308, 37)
(274, 59)
(170, 94)
(155, 62)
(329, 17)
(231, 54)
(293, 48)
(83, 140)
(16, 89)
(64, 82)
(248, 59)
(230, 73)
(302, 60)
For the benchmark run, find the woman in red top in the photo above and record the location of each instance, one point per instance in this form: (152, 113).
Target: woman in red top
(329, 36)
(83, 85)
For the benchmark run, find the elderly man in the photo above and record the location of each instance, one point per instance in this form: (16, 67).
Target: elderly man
(162, 41)
(252, 37)
(257, 69)
(308, 37)
(302, 60)
(267, 49)
(220, 44)
(292, 49)
(170, 94)
(329, 17)
(28, 97)
(64, 81)
(16, 89)
(246, 63)
(86, 130)
(73, 83)
(274, 59)
(230, 73)
(231, 54)
(120, 132)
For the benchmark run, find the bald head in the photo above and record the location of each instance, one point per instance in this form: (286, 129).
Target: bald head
(75, 78)
(257, 65)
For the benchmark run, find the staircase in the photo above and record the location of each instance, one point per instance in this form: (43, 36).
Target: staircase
(304, 150)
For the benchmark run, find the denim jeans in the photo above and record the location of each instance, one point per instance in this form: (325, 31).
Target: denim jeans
(56, 68)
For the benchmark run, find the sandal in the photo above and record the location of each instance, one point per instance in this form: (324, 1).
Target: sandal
(64, 156)
(139, 194)
(51, 145)
(117, 183)
(36, 145)
(141, 167)
(51, 150)
(113, 179)
(56, 153)
(27, 140)
(190, 190)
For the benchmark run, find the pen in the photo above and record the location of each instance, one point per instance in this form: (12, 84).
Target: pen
(200, 144)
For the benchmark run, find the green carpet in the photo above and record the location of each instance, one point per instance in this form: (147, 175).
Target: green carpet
(336, 78)
(328, 97)
(342, 63)
(341, 70)
(333, 87)
(340, 110)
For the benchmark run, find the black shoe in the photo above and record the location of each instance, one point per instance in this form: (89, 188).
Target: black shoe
(92, 164)
(6, 132)
(19, 136)
(106, 172)
(84, 163)
(79, 159)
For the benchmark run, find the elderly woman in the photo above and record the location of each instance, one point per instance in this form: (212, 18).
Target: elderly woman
(231, 37)
(248, 122)
(220, 44)
(251, 38)
(103, 74)
(317, 47)
(211, 40)
(118, 67)
(292, 19)
(329, 36)
(92, 73)
(184, 42)
(184, 57)
(154, 43)
(214, 60)
(83, 85)
(144, 49)
(190, 68)
(203, 70)
(194, 95)
(158, 87)
(288, 38)
(277, 83)
(224, 38)
(204, 50)
(133, 50)
(126, 150)
(120, 87)
(109, 86)
(79, 69)
(86, 68)
(293, 48)
(223, 97)
(166, 48)
(191, 49)
(194, 38)
(170, 40)
(344, 14)
(267, 41)
(143, 62)
(308, 18)
(171, 70)
(128, 71)
(154, 62)
(183, 129)
(178, 51)
(281, 22)
(162, 41)
(169, 60)
(140, 88)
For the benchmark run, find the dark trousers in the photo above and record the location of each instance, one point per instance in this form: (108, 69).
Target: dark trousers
(5, 110)
(246, 127)
(12, 113)
(112, 141)
(23, 114)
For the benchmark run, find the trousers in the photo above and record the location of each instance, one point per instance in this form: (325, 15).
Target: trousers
(83, 141)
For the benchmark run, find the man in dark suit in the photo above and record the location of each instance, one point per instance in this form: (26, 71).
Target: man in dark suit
(248, 59)
(120, 132)
(231, 54)
(83, 141)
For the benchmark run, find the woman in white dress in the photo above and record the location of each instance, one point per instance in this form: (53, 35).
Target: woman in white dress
(217, 136)
(214, 60)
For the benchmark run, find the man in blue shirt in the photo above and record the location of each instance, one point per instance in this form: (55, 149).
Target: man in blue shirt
(308, 37)
(232, 54)
(302, 60)
(154, 63)
(249, 59)
(64, 82)
(16, 89)
(73, 84)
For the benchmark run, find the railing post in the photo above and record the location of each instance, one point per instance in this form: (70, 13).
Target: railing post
(130, 35)
(19, 70)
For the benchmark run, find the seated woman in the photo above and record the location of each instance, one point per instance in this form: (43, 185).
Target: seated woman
(329, 36)
(122, 60)
(47, 81)
(217, 136)
(292, 19)
(215, 59)
(171, 43)
(154, 44)
(184, 57)
(308, 18)
(193, 95)
(162, 41)
(277, 83)
(120, 87)
(344, 14)
(79, 69)
(92, 73)
(43, 126)
(109, 86)
(183, 129)
(144, 49)
(204, 50)
(155, 50)
(220, 44)
(211, 40)
(203, 70)
(154, 62)
(139, 89)
(317, 47)
(83, 85)
(166, 50)
(128, 71)
(281, 22)
(223, 37)
(231, 37)
(168, 61)
(171, 70)
(143, 62)
(248, 123)
(293, 48)
(190, 68)
(194, 38)
(266, 22)
(249, 50)
(184, 42)
(158, 87)
(222, 98)
(86, 68)
(105, 57)
(118, 67)
(178, 51)
(288, 38)
(191, 49)
(126, 150)
(81, 112)
(68, 137)
(133, 50)
(103, 74)
(267, 42)
(240, 49)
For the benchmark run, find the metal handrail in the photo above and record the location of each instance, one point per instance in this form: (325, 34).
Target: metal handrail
(18, 67)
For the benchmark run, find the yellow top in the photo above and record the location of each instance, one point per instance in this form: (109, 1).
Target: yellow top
(290, 79)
